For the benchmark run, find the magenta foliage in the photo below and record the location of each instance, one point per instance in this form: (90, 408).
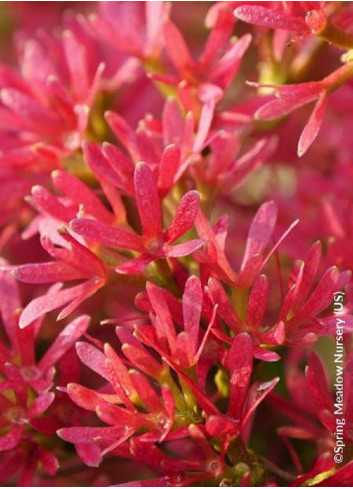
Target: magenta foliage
(175, 232)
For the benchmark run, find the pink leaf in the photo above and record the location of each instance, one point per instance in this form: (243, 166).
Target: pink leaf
(118, 417)
(217, 40)
(77, 60)
(265, 355)
(92, 358)
(185, 215)
(123, 132)
(172, 123)
(265, 17)
(168, 168)
(10, 301)
(177, 49)
(64, 341)
(81, 257)
(88, 398)
(51, 301)
(260, 232)
(219, 426)
(122, 166)
(312, 128)
(40, 404)
(286, 104)
(50, 205)
(192, 307)
(118, 376)
(311, 266)
(84, 291)
(204, 126)
(36, 117)
(142, 360)
(77, 191)
(99, 164)
(227, 67)
(136, 265)
(89, 453)
(107, 235)
(49, 462)
(87, 435)
(37, 66)
(47, 272)
(184, 249)
(147, 201)
(12, 438)
(164, 322)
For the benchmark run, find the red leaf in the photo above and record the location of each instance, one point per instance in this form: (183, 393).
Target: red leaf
(225, 309)
(146, 393)
(257, 303)
(317, 381)
(239, 363)
(258, 394)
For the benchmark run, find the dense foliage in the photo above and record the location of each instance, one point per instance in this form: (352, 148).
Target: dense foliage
(176, 240)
